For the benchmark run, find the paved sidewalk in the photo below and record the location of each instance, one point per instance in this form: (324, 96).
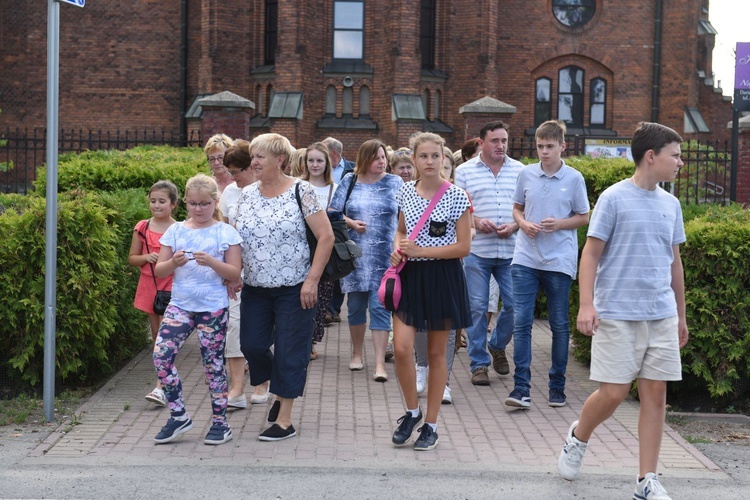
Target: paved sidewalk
(345, 420)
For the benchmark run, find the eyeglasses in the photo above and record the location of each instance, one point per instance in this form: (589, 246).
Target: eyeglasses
(202, 204)
(234, 171)
(402, 152)
(214, 159)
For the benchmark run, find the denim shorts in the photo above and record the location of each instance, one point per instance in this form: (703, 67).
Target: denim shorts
(359, 302)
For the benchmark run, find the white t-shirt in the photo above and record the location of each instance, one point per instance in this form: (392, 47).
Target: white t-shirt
(323, 193)
(199, 288)
(228, 202)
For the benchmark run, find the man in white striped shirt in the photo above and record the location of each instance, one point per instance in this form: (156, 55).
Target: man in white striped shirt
(490, 180)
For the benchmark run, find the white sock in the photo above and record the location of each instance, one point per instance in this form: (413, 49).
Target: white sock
(432, 426)
(181, 418)
(414, 413)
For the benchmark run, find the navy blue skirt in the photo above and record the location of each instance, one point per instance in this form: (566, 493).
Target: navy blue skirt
(434, 296)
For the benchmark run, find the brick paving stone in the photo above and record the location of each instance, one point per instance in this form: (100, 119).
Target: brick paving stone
(346, 417)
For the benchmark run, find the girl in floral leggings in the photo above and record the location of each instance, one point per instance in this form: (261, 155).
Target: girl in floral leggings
(202, 252)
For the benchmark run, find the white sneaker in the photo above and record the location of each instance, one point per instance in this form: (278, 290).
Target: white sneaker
(422, 378)
(571, 456)
(447, 398)
(650, 489)
(157, 397)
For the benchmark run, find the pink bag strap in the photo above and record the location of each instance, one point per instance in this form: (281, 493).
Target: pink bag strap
(426, 215)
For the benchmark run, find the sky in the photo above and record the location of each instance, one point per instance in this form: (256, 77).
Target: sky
(728, 17)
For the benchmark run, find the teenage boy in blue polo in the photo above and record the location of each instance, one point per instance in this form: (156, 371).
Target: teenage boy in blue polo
(633, 303)
(549, 205)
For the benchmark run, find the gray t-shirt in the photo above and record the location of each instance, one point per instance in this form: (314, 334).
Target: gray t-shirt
(560, 196)
(634, 278)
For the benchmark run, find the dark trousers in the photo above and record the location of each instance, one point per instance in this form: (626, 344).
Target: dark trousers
(274, 316)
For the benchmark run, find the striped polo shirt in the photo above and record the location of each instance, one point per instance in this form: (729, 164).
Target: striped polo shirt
(492, 197)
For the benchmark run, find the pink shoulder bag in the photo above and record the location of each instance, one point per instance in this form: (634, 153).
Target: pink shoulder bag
(389, 292)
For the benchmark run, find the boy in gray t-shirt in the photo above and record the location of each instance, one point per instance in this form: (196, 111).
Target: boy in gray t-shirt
(549, 205)
(633, 302)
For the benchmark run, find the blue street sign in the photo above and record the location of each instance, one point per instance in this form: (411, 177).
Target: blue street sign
(77, 3)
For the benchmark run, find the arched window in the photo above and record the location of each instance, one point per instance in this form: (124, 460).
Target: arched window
(347, 101)
(436, 105)
(570, 96)
(331, 100)
(598, 102)
(426, 102)
(269, 97)
(259, 99)
(542, 100)
(364, 101)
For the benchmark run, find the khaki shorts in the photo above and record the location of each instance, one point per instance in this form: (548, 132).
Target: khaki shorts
(622, 351)
(232, 348)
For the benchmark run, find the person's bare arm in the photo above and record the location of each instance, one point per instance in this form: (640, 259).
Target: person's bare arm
(588, 321)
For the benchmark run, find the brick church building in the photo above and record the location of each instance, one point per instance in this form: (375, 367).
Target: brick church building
(357, 69)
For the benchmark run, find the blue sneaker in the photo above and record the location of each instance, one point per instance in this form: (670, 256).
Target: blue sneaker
(427, 440)
(518, 400)
(218, 434)
(557, 398)
(406, 425)
(173, 429)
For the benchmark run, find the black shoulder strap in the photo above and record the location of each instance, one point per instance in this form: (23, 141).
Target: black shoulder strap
(299, 200)
(349, 192)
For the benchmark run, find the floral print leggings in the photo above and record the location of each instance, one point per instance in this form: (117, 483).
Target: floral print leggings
(175, 329)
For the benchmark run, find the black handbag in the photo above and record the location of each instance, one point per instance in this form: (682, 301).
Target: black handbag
(342, 260)
(161, 301)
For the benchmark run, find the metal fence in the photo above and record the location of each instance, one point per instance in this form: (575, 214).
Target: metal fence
(705, 177)
(23, 151)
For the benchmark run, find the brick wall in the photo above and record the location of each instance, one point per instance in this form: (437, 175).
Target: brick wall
(743, 168)
(120, 61)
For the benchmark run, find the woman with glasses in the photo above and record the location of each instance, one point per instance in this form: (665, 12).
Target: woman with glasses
(237, 161)
(215, 148)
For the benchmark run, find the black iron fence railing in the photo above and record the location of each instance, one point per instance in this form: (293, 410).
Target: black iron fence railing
(23, 151)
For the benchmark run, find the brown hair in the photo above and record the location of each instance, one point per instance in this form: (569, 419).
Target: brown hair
(367, 153)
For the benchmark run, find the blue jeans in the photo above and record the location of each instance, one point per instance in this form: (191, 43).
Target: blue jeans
(478, 270)
(274, 317)
(359, 302)
(526, 284)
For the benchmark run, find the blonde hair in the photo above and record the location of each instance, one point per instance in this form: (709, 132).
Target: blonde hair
(275, 144)
(202, 183)
(401, 154)
(218, 141)
(418, 139)
(327, 175)
(297, 161)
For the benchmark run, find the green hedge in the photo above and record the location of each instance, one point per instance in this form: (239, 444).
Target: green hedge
(137, 168)
(102, 197)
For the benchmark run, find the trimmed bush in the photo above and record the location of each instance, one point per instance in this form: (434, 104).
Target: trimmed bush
(87, 279)
(103, 195)
(137, 168)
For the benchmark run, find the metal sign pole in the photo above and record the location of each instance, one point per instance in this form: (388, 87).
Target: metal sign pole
(50, 261)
